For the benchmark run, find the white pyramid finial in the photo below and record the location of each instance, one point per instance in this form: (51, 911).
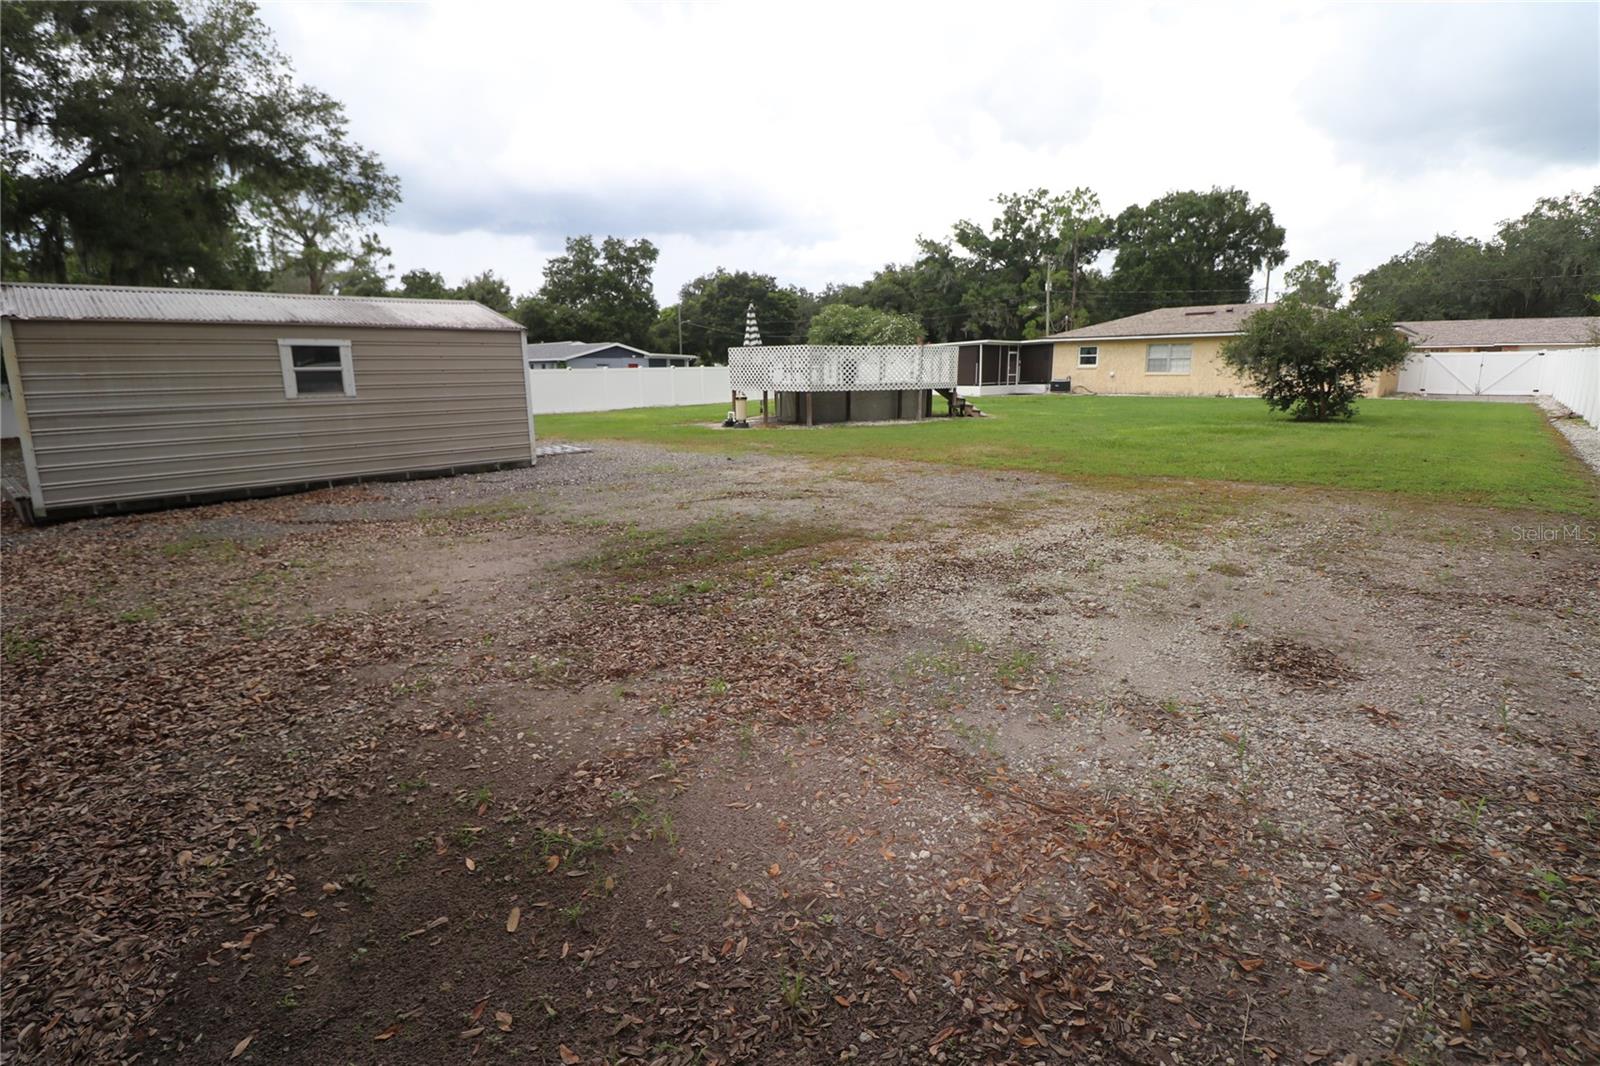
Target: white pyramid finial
(752, 334)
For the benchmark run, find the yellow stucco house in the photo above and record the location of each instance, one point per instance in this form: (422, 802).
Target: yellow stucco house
(1177, 351)
(1171, 351)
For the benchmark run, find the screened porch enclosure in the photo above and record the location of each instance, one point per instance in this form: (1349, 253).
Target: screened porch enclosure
(1022, 365)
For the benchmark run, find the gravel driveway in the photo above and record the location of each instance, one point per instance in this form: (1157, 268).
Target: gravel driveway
(641, 756)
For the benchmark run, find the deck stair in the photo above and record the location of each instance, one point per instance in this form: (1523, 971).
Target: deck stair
(960, 406)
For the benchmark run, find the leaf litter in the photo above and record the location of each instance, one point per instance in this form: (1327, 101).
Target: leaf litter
(918, 900)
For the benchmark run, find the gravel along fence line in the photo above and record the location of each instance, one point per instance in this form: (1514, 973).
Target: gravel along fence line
(1585, 439)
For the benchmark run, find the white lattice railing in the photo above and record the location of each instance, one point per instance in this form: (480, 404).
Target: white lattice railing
(841, 368)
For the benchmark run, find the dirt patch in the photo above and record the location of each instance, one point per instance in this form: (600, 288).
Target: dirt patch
(666, 758)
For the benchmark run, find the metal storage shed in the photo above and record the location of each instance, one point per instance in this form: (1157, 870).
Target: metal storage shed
(130, 398)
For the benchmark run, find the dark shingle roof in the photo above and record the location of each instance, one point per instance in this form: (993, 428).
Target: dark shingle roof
(1194, 321)
(1221, 319)
(1479, 332)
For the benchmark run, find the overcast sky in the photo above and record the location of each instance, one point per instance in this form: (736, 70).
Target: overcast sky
(815, 141)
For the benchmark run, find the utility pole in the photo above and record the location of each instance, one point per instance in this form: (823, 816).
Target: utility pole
(1049, 265)
(679, 316)
(1072, 300)
(1266, 293)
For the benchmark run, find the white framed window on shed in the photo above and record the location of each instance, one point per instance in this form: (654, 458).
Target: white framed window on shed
(1168, 358)
(1089, 355)
(316, 368)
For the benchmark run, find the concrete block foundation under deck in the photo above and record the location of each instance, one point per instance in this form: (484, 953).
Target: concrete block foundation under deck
(883, 405)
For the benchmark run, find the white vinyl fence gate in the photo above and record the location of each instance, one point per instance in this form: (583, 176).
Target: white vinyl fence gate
(1473, 373)
(1570, 375)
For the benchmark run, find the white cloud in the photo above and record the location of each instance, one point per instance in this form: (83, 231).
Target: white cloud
(815, 142)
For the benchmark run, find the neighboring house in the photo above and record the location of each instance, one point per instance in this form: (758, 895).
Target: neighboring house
(582, 355)
(131, 398)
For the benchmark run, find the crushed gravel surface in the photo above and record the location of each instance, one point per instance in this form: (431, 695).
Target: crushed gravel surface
(670, 758)
(1584, 438)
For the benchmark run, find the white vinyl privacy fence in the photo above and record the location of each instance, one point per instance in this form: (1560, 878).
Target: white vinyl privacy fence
(616, 388)
(1572, 376)
(1560, 372)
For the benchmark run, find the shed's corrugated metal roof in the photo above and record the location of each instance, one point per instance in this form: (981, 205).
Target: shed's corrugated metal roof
(115, 303)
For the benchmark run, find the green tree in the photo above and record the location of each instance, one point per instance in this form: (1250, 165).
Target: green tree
(136, 135)
(930, 288)
(1544, 264)
(713, 309)
(1444, 278)
(423, 285)
(486, 289)
(367, 275)
(595, 292)
(1314, 282)
(1086, 232)
(844, 324)
(1190, 248)
(1550, 258)
(1313, 362)
(1035, 233)
(318, 218)
(664, 334)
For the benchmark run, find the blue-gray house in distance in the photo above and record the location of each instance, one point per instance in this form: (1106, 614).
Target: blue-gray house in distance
(585, 355)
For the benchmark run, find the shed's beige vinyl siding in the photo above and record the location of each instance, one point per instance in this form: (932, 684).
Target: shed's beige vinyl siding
(129, 411)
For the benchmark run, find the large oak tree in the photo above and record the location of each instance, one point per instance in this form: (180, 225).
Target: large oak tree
(1544, 264)
(151, 143)
(595, 292)
(1191, 248)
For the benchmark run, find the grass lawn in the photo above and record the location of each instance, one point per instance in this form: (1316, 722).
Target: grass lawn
(1496, 454)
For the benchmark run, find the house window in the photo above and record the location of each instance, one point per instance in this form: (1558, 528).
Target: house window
(316, 368)
(1168, 358)
(1089, 355)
